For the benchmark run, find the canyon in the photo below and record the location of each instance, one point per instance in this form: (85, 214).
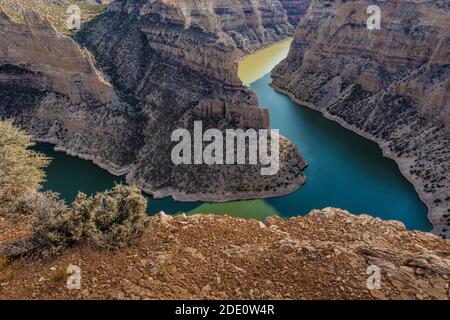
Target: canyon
(158, 62)
(389, 85)
(144, 68)
(143, 63)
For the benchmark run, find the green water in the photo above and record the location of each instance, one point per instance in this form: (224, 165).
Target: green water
(345, 170)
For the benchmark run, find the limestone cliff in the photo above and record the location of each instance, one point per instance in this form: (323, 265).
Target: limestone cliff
(295, 9)
(75, 76)
(252, 24)
(329, 254)
(168, 69)
(390, 85)
(180, 67)
(49, 86)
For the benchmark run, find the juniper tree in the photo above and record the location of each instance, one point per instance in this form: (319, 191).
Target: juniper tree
(21, 168)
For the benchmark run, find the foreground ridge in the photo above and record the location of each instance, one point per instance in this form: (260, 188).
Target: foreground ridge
(325, 254)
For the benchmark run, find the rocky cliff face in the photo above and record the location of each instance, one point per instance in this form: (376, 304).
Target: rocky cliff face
(329, 254)
(182, 67)
(252, 24)
(75, 76)
(295, 9)
(390, 85)
(170, 65)
(51, 87)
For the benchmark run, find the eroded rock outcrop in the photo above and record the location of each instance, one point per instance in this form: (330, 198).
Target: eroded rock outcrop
(390, 85)
(51, 87)
(182, 67)
(252, 24)
(169, 68)
(74, 76)
(295, 9)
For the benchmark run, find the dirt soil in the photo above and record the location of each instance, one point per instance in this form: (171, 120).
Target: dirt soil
(325, 255)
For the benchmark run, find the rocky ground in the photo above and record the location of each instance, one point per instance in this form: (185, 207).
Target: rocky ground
(324, 255)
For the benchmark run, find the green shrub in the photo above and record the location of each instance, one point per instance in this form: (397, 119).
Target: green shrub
(112, 218)
(31, 202)
(21, 169)
(109, 220)
(55, 228)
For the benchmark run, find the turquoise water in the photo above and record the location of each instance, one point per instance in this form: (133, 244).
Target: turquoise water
(345, 171)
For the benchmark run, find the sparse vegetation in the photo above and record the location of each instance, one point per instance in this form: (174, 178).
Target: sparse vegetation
(109, 220)
(5, 271)
(29, 203)
(59, 277)
(21, 168)
(55, 12)
(116, 217)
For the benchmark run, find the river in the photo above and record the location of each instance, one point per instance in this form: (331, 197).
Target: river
(345, 170)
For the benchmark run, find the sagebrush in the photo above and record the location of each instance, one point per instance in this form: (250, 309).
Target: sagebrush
(109, 220)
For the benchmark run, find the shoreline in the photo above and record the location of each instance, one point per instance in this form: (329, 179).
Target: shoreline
(242, 58)
(246, 55)
(214, 198)
(112, 169)
(126, 172)
(381, 143)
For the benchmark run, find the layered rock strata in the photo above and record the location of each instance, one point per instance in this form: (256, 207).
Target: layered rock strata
(168, 70)
(51, 87)
(252, 24)
(390, 85)
(295, 9)
(180, 67)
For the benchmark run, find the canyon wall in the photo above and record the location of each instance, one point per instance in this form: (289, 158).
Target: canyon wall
(167, 66)
(180, 67)
(295, 9)
(252, 24)
(75, 76)
(390, 85)
(51, 87)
